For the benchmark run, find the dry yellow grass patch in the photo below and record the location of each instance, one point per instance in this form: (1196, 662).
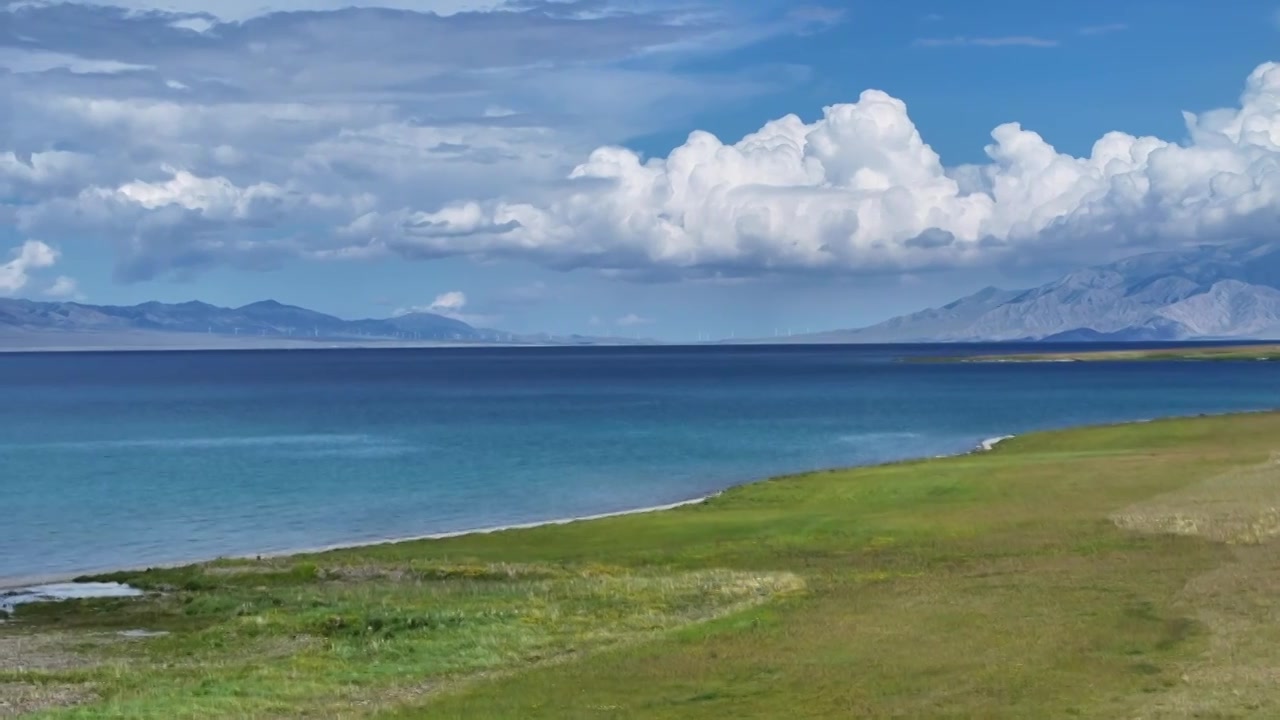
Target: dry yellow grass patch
(48, 651)
(1240, 507)
(1238, 675)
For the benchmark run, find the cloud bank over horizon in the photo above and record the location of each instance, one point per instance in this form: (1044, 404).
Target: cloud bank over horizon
(860, 190)
(184, 136)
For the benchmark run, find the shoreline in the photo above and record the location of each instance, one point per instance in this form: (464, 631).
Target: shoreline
(669, 610)
(20, 584)
(1177, 352)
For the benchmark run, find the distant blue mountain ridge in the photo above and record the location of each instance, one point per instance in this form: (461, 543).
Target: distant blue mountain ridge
(1217, 292)
(263, 319)
(1212, 292)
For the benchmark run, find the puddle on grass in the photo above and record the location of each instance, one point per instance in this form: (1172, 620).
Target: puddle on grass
(56, 592)
(141, 634)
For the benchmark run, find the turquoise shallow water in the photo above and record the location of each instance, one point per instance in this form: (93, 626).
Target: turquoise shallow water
(127, 459)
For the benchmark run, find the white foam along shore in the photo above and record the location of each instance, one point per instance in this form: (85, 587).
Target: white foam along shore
(10, 590)
(990, 443)
(479, 531)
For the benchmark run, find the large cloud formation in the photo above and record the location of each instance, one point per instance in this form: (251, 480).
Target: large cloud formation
(184, 140)
(181, 135)
(860, 190)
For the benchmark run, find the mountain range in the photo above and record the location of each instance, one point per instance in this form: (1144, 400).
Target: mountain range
(261, 318)
(1219, 292)
(27, 324)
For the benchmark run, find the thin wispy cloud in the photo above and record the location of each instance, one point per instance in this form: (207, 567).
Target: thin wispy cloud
(818, 16)
(1104, 29)
(1001, 41)
(242, 10)
(932, 17)
(36, 61)
(633, 320)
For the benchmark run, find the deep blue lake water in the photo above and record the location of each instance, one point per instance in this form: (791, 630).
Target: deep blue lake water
(112, 460)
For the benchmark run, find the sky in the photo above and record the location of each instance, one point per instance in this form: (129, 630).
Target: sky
(672, 169)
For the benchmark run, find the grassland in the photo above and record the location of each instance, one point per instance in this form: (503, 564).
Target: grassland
(1190, 353)
(1119, 572)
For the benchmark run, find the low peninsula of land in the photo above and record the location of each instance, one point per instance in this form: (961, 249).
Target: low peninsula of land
(1267, 351)
(1119, 571)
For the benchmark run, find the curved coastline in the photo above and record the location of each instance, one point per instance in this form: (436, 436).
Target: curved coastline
(11, 586)
(984, 446)
(1060, 536)
(19, 585)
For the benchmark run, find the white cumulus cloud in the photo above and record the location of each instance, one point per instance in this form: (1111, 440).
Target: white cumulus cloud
(859, 190)
(456, 305)
(190, 222)
(452, 301)
(63, 287)
(214, 196)
(16, 273)
(449, 304)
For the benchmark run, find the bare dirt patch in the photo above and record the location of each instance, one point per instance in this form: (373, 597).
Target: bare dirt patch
(25, 652)
(22, 651)
(18, 699)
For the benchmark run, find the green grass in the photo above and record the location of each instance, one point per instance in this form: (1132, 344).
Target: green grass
(1037, 580)
(1190, 353)
(298, 639)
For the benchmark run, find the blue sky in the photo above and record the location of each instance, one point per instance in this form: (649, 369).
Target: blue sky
(530, 165)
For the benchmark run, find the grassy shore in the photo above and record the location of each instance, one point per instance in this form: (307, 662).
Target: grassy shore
(1269, 351)
(1118, 571)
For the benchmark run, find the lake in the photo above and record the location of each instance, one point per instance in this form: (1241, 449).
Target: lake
(129, 459)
